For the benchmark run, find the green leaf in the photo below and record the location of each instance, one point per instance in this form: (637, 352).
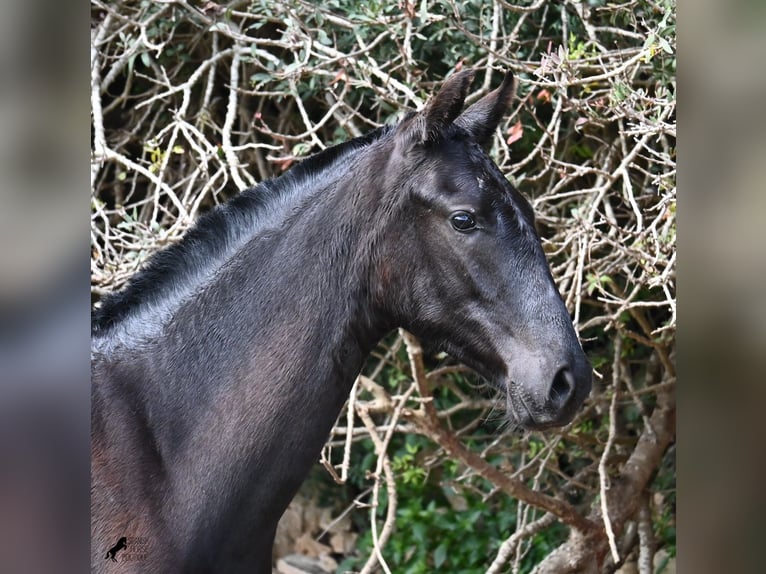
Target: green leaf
(291, 68)
(419, 532)
(665, 46)
(260, 77)
(440, 555)
(300, 149)
(323, 38)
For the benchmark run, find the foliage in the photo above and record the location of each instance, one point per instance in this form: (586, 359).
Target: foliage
(192, 102)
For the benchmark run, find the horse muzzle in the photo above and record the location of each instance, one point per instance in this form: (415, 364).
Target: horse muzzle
(543, 395)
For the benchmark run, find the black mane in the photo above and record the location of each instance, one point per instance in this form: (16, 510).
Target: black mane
(208, 239)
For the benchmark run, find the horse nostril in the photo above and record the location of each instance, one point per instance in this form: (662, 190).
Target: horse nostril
(562, 388)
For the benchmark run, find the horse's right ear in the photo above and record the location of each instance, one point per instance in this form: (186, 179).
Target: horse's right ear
(440, 111)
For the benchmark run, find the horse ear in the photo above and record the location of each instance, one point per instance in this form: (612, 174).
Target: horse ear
(482, 118)
(440, 111)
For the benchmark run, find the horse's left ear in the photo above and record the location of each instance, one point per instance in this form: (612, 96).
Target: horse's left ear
(482, 118)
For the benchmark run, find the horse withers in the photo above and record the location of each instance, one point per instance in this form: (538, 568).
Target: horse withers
(220, 369)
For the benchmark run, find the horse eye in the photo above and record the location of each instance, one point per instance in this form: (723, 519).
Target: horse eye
(462, 221)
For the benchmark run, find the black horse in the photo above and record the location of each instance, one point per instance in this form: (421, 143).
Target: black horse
(221, 368)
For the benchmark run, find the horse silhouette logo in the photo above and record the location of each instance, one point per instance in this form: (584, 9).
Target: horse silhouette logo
(112, 553)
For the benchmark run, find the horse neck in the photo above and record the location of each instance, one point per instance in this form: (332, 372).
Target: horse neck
(253, 372)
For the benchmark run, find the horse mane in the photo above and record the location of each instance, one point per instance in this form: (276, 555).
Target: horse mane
(217, 234)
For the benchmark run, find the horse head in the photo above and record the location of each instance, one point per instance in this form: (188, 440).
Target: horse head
(462, 266)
